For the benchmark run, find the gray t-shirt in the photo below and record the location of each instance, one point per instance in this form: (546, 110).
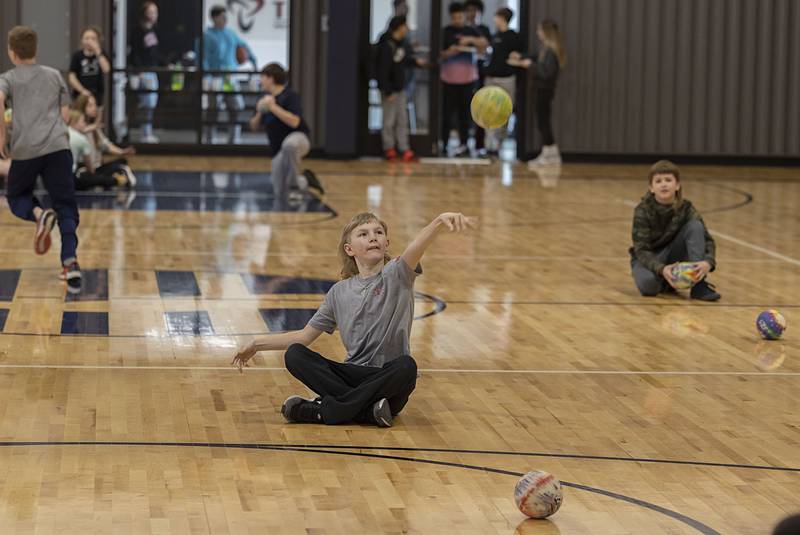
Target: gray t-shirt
(37, 94)
(374, 315)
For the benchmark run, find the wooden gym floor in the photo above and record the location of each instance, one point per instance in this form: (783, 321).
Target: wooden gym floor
(119, 412)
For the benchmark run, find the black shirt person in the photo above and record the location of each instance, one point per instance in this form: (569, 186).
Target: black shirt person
(88, 66)
(499, 73)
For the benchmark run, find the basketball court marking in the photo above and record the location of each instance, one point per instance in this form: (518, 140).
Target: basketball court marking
(688, 521)
(754, 247)
(428, 258)
(125, 367)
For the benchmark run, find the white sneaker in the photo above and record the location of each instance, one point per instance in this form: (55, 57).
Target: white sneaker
(555, 155)
(131, 176)
(149, 138)
(548, 156)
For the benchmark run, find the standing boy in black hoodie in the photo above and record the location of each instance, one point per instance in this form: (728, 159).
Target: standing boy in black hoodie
(394, 57)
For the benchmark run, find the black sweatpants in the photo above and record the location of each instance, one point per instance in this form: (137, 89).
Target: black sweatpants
(349, 391)
(55, 169)
(103, 176)
(456, 99)
(480, 133)
(544, 114)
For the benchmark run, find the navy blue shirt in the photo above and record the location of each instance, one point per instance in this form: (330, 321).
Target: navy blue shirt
(276, 129)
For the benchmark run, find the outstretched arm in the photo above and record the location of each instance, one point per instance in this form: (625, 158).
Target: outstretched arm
(275, 341)
(449, 221)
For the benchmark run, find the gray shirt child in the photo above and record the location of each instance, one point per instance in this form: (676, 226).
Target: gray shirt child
(37, 94)
(374, 315)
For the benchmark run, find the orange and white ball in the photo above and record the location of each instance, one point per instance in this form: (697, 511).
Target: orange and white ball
(538, 494)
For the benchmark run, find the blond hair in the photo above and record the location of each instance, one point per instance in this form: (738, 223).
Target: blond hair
(79, 104)
(74, 117)
(349, 266)
(666, 167)
(552, 40)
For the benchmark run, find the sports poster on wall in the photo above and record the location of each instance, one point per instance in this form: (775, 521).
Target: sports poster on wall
(263, 24)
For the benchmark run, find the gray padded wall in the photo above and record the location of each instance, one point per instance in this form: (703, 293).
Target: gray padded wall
(694, 77)
(308, 61)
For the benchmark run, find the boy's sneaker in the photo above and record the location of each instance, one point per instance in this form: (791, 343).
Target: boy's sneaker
(409, 156)
(44, 226)
(391, 155)
(382, 413)
(300, 410)
(704, 291)
(313, 181)
(666, 288)
(72, 274)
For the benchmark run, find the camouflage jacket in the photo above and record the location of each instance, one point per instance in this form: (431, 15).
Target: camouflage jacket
(656, 225)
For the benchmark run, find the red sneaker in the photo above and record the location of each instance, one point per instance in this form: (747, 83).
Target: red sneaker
(42, 241)
(391, 155)
(409, 156)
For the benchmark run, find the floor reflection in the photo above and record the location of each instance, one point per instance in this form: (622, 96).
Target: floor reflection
(198, 192)
(769, 355)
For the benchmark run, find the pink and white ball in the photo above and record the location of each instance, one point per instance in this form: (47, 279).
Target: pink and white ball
(538, 494)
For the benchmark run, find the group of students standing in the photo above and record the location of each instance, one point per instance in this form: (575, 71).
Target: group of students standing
(471, 57)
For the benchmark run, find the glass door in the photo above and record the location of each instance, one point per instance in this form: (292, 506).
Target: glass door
(421, 87)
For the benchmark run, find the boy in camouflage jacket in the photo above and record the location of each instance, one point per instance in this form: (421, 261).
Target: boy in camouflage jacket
(666, 230)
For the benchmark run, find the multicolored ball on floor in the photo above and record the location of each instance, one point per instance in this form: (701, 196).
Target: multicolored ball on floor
(684, 275)
(770, 324)
(491, 107)
(538, 494)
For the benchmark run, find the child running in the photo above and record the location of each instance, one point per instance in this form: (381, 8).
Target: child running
(666, 230)
(373, 307)
(40, 146)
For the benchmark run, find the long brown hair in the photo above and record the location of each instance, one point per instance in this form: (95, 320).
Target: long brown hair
(349, 266)
(553, 40)
(79, 104)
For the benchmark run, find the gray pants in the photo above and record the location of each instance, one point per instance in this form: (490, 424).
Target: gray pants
(394, 132)
(495, 136)
(688, 246)
(286, 165)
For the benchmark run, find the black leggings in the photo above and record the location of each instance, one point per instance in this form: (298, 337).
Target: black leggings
(455, 101)
(544, 114)
(349, 391)
(102, 176)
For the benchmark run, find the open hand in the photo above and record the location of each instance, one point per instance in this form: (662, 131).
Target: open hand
(457, 222)
(244, 355)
